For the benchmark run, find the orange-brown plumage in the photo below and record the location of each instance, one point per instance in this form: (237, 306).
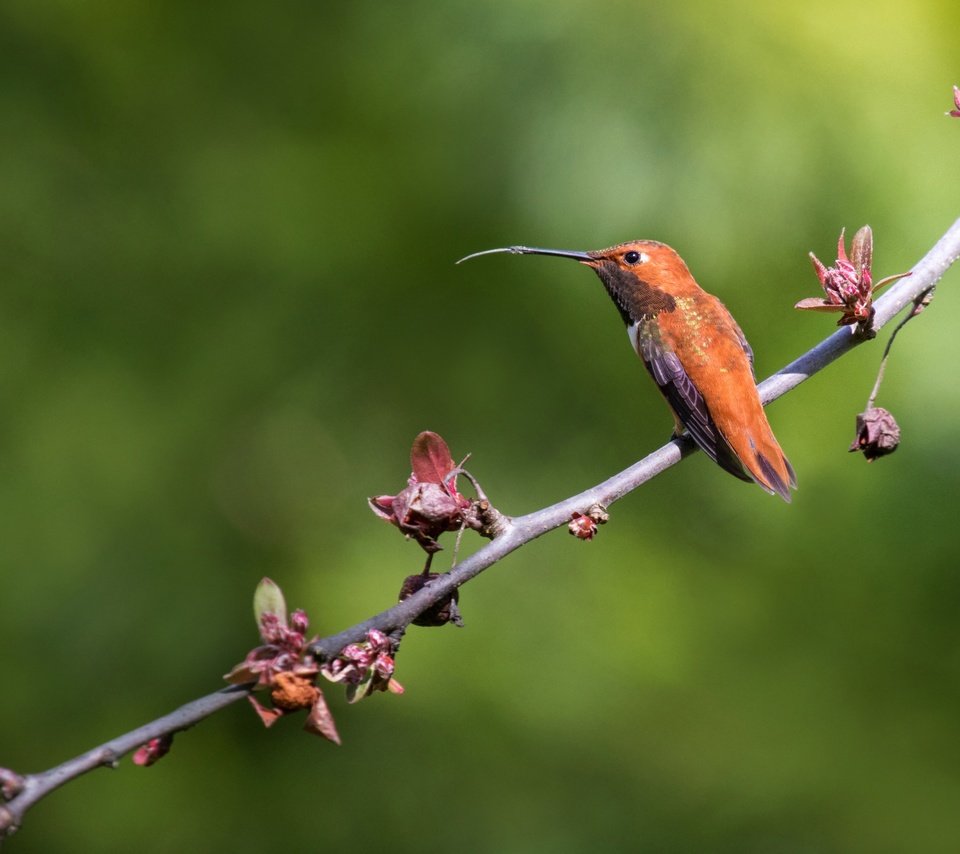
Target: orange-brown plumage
(696, 354)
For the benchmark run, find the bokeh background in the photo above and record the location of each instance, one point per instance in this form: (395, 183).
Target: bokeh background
(228, 304)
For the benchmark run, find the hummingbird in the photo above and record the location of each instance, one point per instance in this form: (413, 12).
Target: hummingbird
(695, 352)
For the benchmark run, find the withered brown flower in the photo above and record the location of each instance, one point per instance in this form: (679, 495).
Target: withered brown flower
(878, 433)
(430, 503)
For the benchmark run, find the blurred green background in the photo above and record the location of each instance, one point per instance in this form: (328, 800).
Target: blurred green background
(229, 303)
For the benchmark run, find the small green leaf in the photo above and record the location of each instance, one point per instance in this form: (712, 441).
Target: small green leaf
(268, 599)
(357, 691)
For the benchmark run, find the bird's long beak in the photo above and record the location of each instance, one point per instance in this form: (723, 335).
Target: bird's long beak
(583, 257)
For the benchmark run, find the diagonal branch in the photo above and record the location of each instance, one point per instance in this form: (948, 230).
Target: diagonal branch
(20, 792)
(522, 529)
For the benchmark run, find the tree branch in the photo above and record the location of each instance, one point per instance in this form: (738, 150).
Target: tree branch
(521, 530)
(22, 791)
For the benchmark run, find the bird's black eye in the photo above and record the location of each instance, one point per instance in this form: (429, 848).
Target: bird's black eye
(632, 257)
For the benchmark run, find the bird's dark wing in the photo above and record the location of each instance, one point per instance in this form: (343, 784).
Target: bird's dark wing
(745, 344)
(686, 401)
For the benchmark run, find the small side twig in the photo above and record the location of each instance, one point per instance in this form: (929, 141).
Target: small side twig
(919, 304)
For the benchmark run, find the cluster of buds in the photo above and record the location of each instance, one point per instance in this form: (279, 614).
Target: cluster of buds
(849, 289)
(284, 647)
(365, 667)
(848, 285)
(584, 526)
(284, 665)
(430, 504)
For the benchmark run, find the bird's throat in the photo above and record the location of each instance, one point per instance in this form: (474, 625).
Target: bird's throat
(634, 298)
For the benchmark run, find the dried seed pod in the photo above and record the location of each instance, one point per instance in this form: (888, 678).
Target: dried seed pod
(443, 612)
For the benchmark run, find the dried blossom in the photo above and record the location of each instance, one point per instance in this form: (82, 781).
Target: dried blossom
(430, 504)
(365, 667)
(878, 433)
(284, 664)
(849, 285)
(440, 613)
